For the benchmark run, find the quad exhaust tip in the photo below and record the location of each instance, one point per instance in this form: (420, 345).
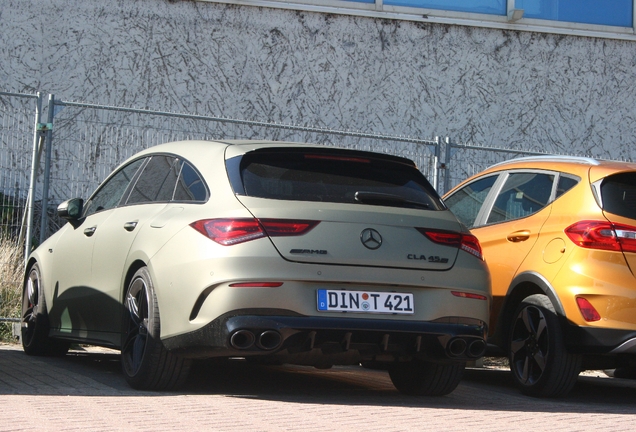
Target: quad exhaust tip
(459, 347)
(266, 340)
(242, 339)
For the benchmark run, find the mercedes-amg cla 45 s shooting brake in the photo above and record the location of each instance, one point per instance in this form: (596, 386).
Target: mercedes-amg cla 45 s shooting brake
(267, 251)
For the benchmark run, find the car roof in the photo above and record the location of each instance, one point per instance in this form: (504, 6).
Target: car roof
(198, 149)
(571, 164)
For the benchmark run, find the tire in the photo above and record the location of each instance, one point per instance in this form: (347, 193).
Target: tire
(422, 378)
(35, 320)
(540, 363)
(146, 363)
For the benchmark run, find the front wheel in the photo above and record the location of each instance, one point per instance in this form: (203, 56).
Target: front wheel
(540, 363)
(146, 363)
(423, 378)
(35, 319)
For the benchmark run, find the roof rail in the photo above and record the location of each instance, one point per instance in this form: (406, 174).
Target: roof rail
(553, 158)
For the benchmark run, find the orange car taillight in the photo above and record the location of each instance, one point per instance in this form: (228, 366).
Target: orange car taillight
(229, 232)
(463, 241)
(603, 235)
(587, 310)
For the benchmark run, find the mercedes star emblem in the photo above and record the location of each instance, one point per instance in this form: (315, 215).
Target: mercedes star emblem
(371, 239)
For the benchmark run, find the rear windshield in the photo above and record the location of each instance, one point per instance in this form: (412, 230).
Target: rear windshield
(619, 194)
(335, 176)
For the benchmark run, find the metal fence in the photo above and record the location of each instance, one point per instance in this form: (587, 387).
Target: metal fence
(19, 116)
(52, 150)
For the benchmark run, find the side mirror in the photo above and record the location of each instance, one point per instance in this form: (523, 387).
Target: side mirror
(71, 211)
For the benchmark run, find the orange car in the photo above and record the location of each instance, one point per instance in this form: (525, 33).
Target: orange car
(559, 237)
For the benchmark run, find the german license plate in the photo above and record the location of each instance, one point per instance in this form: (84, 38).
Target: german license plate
(365, 301)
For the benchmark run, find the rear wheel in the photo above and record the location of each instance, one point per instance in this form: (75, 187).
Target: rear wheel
(35, 320)
(146, 363)
(539, 361)
(422, 378)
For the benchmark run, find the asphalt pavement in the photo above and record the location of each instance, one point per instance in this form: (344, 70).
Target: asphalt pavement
(85, 390)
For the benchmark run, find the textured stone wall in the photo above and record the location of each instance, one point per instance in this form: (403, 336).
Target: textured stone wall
(488, 87)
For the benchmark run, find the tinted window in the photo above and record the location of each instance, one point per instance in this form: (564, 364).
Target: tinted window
(467, 201)
(619, 194)
(565, 184)
(111, 192)
(157, 181)
(190, 186)
(336, 176)
(522, 195)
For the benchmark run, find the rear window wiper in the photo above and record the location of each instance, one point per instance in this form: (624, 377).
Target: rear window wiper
(384, 198)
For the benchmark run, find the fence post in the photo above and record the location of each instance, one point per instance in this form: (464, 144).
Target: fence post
(44, 230)
(447, 161)
(436, 162)
(35, 162)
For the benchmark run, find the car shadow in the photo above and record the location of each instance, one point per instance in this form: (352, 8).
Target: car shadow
(481, 388)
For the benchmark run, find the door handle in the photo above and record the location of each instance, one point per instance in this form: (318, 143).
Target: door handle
(130, 226)
(518, 236)
(88, 232)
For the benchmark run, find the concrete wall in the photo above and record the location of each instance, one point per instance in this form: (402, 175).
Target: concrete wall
(488, 87)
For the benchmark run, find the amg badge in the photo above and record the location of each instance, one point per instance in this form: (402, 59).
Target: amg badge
(309, 251)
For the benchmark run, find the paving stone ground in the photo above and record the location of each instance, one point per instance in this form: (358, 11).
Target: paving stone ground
(85, 390)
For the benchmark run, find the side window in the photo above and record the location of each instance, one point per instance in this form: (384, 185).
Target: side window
(565, 184)
(619, 194)
(467, 201)
(111, 192)
(157, 181)
(190, 186)
(522, 195)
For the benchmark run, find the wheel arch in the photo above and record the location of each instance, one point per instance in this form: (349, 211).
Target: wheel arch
(27, 269)
(523, 285)
(134, 266)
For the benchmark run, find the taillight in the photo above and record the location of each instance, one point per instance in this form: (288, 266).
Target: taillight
(603, 235)
(284, 227)
(587, 310)
(463, 241)
(229, 232)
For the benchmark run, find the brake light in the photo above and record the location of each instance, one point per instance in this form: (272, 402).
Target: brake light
(587, 310)
(228, 232)
(284, 227)
(466, 242)
(338, 158)
(471, 245)
(603, 235)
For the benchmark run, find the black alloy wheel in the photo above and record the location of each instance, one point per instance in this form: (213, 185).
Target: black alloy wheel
(35, 323)
(539, 361)
(146, 363)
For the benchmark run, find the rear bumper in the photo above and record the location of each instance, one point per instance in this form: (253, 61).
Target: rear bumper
(289, 336)
(592, 340)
